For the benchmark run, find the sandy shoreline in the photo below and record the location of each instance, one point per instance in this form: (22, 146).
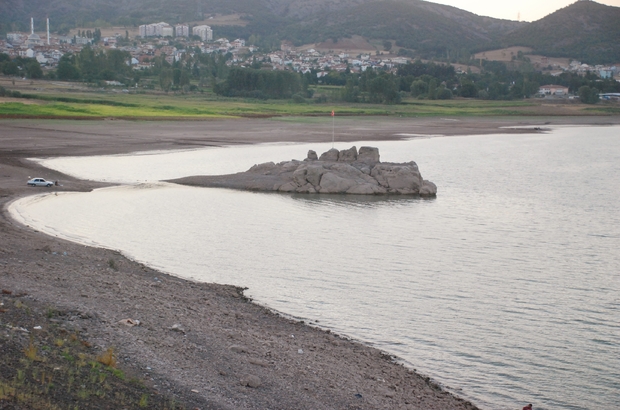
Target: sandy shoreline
(225, 341)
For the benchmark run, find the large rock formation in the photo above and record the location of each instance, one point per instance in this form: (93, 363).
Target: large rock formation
(334, 172)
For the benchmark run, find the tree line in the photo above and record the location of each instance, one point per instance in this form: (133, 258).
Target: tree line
(20, 66)
(194, 71)
(262, 84)
(92, 65)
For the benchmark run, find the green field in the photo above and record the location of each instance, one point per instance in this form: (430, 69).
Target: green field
(207, 106)
(143, 106)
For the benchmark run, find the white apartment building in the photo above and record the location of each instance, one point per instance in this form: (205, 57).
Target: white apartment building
(156, 29)
(204, 32)
(238, 43)
(167, 31)
(181, 30)
(14, 37)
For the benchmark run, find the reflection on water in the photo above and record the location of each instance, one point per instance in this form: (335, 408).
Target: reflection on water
(505, 287)
(364, 201)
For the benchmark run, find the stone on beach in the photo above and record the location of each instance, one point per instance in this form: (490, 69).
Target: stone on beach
(237, 349)
(251, 381)
(177, 328)
(129, 322)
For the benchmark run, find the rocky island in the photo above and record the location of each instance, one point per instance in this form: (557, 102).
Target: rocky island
(334, 172)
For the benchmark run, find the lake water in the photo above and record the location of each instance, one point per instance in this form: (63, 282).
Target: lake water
(505, 288)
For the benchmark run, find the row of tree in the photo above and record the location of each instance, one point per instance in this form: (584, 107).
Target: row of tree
(93, 65)
(263, 84)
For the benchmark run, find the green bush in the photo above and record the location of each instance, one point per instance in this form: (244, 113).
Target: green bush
(588, 95)
(298, 98)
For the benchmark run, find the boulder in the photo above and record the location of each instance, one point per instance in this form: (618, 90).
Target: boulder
(368, 155)
(405, 178)
(263, 168)
(289, 166)
(288, 187)
(314, 173)
(299, 175)
(330, 156)
(348, 155)
(428, 189)
(312, 156)
(334, 184)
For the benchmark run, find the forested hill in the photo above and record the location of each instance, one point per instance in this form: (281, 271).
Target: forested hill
(586, 30)
(416, 25)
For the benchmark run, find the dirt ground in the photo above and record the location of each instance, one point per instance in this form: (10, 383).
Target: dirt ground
(204, 343)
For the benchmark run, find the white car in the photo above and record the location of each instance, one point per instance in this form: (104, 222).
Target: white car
(40, 182)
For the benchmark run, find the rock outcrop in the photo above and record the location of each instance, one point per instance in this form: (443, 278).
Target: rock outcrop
(334, 172)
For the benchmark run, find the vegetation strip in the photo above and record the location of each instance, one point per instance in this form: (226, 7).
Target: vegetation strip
(44, 365)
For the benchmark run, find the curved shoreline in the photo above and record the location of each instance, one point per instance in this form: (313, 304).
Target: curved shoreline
(224, 338)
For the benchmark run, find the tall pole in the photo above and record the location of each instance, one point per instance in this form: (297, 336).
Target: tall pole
(333, 126)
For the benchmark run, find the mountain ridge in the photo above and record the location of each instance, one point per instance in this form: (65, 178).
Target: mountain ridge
(586, 30)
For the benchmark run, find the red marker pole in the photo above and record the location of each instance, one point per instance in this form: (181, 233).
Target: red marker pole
(333, 126)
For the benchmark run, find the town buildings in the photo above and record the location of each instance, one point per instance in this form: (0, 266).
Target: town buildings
(552, 89)
(153, 41)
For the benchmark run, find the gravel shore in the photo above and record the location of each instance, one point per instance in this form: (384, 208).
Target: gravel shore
(206, 344)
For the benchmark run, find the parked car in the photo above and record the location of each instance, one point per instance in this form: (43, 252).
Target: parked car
(40, 182)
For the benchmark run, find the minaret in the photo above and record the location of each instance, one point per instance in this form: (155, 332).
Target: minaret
(31, 25)
(48, 31)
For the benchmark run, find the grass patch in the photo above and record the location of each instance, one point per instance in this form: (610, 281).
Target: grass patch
(604, 110)
(77, 100)
(53, 369)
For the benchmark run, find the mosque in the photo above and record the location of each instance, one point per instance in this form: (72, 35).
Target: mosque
(34, 39)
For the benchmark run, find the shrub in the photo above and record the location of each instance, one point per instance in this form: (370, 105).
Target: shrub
(108, 358)
(298, 98)
(444, 94)
(588, 95)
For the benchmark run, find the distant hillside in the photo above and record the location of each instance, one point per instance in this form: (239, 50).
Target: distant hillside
(418, 25)
(584, 30)
(426, 27)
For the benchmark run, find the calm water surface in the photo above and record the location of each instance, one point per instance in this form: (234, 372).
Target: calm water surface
(506, 287)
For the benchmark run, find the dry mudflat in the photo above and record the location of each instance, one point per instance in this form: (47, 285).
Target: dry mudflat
(205, 344)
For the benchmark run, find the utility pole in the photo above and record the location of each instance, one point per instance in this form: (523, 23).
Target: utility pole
(333, 126)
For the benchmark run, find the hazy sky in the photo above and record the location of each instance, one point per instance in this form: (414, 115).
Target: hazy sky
(531, 10)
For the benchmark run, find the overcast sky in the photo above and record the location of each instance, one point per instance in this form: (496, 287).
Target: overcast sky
(531, 10)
